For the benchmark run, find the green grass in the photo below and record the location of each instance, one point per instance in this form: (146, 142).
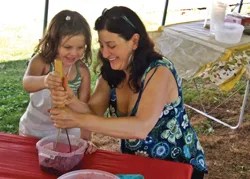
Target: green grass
(198, 90)
(13, 98)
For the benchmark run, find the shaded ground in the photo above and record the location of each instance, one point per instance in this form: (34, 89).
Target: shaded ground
(227, 151)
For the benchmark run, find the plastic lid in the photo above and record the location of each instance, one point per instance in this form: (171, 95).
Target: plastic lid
(88, 173)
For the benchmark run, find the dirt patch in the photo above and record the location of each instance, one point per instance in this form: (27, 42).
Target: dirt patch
(227, 151)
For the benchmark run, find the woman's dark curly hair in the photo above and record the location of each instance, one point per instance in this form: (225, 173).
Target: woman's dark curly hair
(123, 21)
(65, 23)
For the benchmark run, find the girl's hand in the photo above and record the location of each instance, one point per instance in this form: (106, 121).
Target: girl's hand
(91, 148)
(52, 80)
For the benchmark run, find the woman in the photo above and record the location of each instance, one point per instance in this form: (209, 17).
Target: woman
(142, 91)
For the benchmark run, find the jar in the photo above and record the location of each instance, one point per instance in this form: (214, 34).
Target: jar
(217, 14)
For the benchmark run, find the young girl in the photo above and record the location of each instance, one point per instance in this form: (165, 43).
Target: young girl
(68, 38)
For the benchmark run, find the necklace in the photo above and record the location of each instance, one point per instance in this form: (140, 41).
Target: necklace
(68, 72)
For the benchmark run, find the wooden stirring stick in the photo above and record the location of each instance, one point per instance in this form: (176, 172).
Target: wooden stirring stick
(59, 69)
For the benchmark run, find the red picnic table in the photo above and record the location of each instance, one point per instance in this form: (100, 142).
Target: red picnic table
(19, 160)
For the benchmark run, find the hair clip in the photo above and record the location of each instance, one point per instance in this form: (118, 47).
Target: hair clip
(67, 18)
(104, 11)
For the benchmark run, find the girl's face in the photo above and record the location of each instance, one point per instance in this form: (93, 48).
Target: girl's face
(71, 49)
(117, 50)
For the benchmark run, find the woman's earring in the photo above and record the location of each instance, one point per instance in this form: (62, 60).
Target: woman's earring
(131, 58)
(136, 38)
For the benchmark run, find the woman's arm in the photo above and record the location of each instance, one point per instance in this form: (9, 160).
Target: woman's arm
(99, 100)
(161, 89)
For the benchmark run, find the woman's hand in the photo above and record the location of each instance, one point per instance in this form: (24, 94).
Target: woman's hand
(60, 96)
(64, 118)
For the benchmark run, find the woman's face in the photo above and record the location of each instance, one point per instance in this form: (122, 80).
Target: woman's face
(116, 49)
(71, 49)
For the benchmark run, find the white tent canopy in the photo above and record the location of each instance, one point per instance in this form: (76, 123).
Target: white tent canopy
(183, 4)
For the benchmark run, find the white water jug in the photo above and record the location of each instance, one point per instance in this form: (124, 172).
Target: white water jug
(217, 14)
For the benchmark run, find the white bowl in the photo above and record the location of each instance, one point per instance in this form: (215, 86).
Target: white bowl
(229, 33)
(88, 173)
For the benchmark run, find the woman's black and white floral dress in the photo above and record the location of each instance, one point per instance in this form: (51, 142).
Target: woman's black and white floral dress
(172, 138)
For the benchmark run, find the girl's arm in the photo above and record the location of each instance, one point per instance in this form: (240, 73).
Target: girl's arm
(84, 90)
(36, 76)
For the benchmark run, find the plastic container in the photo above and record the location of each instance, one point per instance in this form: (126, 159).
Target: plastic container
(56, 158)
(88, 174)
(229, 33)
(217, 13)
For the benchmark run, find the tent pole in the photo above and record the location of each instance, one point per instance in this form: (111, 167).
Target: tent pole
(165, 13)
(240, 6)
(45, 15)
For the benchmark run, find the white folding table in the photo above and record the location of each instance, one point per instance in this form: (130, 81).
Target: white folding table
(195, 52)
